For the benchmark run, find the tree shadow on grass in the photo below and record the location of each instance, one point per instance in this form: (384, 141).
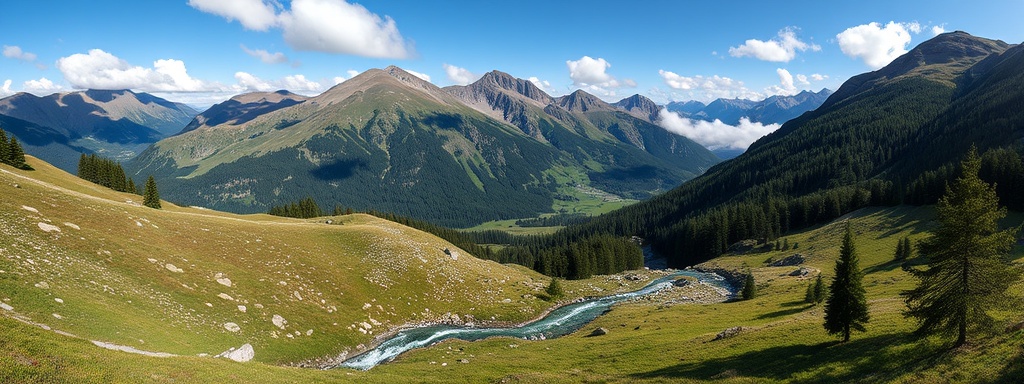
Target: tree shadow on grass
(784, 312)
(861, 359)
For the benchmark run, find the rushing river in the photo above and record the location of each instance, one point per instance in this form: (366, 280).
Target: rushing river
(560, 322)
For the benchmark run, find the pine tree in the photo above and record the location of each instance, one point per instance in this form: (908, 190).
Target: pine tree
(3, 146)
(749, 287)
(15, 155)
(967, 275)
(151, 197)
(815, 292)
(846, 306)
(554, 289)
(131, 187)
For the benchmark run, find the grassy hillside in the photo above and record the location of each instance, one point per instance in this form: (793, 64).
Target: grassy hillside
(81, 259)
(656, 340)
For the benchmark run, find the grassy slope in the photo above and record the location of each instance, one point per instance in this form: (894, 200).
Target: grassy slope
(113, 278)
(648, 340)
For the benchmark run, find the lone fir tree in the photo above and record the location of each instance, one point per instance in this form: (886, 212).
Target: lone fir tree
(554, 289)
(151, 197)
(749, 287)
(967, 275)
(846, 308)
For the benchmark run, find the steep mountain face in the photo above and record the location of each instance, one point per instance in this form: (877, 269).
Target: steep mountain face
(39, 139)
(242, 108)
(773, 110)
(388, 141)
(117, 124)
(866, 143)
(640, 106)
(628, 153)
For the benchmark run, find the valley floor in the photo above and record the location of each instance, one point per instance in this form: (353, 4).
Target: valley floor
(657, 340)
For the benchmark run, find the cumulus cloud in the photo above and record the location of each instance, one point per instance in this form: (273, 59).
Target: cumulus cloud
(423, 76)
(786, 85)
(6, 89)
(875, 44)
(101, 70)
(938, 30)
(591, 74)
(715, 134)
(782, 48)
(818, 77)
(544, 85)
(15, 52)
(41, 87)
(257, 15)
(295, 83)
(458, 75)
(332, 26)
(708, 88)
(266, 57)
(352, 73)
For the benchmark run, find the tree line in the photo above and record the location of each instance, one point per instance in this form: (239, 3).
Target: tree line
(110, 174)
(11, 152)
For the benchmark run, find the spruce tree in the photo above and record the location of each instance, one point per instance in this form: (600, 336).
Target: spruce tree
(749, 287)
(131, 187)
(846, 307)
(815, 292)
(15, 155)
(3, 146)
(151, 197)
(967, 275)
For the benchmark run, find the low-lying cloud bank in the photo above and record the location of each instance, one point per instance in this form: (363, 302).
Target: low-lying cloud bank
(715, 134)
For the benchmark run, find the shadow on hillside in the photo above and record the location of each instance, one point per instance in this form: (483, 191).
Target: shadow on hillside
(784, 312)
(861, 359)
(894, 264)
(339, 169)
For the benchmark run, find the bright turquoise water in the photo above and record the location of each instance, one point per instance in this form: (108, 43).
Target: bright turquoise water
(560, 322)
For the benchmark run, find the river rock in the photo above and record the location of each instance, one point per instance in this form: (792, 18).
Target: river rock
(729, 332)
(598, 332)
(242, 354)
(681, 283)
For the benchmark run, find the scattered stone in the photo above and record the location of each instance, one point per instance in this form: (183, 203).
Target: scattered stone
(729, 332)
(30, 209)
(209, 305)
(172, 268)
(681, 283)
(788, 261)
(297, 295)
(72, 226)
(464, 361)
(598, 332)
(224, 281)
(225, 296)
(59, 300)
(243, 354)
(279, 321)
(58, 316)
(232, 327)
(48, 228)
(259, 306)
(42, 285)
(241, 308)
(444, 364)
(366, 306)
(309, 332)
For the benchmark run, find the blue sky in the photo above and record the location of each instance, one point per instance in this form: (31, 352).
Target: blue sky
(204, 51)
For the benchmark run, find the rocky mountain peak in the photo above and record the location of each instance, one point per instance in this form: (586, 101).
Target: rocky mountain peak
(581, 101)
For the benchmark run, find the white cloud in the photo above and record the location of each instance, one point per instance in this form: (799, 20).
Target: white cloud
(294, 83)
(709, 88)
(786, 86)
(458, 75)
(818, 77)
(266, 57)
(41, 87)
(332, 26)
(352, 73)
(423, 76)
(780, 49)
(544, 85)
(257, 15)
(15, 52)
(338, 80)
(715, 134)
(591, 75)
(938, 30)
(802, 79)
(6, 89)
(102, 70)
(875, 44)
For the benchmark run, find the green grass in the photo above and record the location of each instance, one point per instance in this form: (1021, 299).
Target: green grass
(648, 341)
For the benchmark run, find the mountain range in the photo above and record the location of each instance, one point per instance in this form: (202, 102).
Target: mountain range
(885, 137)
(389, 141)
(772, 110)
(116, 124)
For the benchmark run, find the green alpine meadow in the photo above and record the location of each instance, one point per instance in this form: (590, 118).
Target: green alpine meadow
(339, 191)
